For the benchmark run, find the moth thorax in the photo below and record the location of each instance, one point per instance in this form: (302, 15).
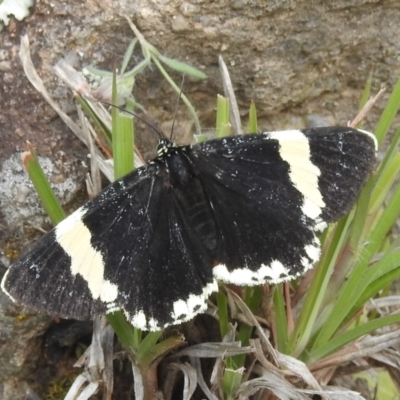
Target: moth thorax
(181, 170)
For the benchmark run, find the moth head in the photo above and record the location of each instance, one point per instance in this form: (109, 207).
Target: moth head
(164, 145)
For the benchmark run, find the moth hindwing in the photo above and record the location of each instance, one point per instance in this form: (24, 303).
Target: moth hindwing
(244, 210)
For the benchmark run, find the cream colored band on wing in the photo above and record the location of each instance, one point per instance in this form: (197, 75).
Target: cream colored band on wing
(295, 150)
(75, 238)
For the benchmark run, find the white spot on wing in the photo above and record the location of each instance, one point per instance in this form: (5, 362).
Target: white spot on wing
(138, 320)
(245, 276)
(320, 226)
(313, 251)
(275, 272)
(295, 150)
(75, 238)
(183, 310)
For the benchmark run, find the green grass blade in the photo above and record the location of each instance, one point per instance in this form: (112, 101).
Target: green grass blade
(253, 297)
(366, 93)
(103, 129)
(387, 270)
(127, 334)
(253, 127)
(178, 92)
(234, 366)
(231, 380)
(316, 294)
(128, 55)
(223, 313)
(182, 67)
(386, 175)
(42, 187)
(152, 351)
(384, 224)
(223, 127)
(97, 72)
(281, 321)
(138, 68)
(122, 137)
(362, 210)
(123, 145)
(388, 114)
(148, 344)
(223, 317)
(352, 335)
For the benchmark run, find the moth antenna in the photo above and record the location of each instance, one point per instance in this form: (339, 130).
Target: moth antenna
(159, 133)
(177, 106)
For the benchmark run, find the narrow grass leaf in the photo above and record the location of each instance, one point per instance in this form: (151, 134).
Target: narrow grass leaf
(104, 131)
(231, 381)
(223, 127)
(148, 343)
(383, 225)
(280, 321)
(182, 67)
(222, 313)
(317, 291)
(123, 145)
(384, 182)
(128, 55)
(244, 335)
(125, 331)
(177, 90)
(42, 186)
(252, 298)
(253, 126)
(139, 67)
(342, 340)
(390, 153)
(97, 72)
(147, 355)
(98, 124)
(384, 273)
(366, 93)
(388, 114)
(362, 210)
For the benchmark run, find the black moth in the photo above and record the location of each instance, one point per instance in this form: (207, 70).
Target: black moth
(243, 210)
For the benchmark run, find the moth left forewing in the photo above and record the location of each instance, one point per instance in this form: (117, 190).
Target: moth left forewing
(41, 279)
(62, 273)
